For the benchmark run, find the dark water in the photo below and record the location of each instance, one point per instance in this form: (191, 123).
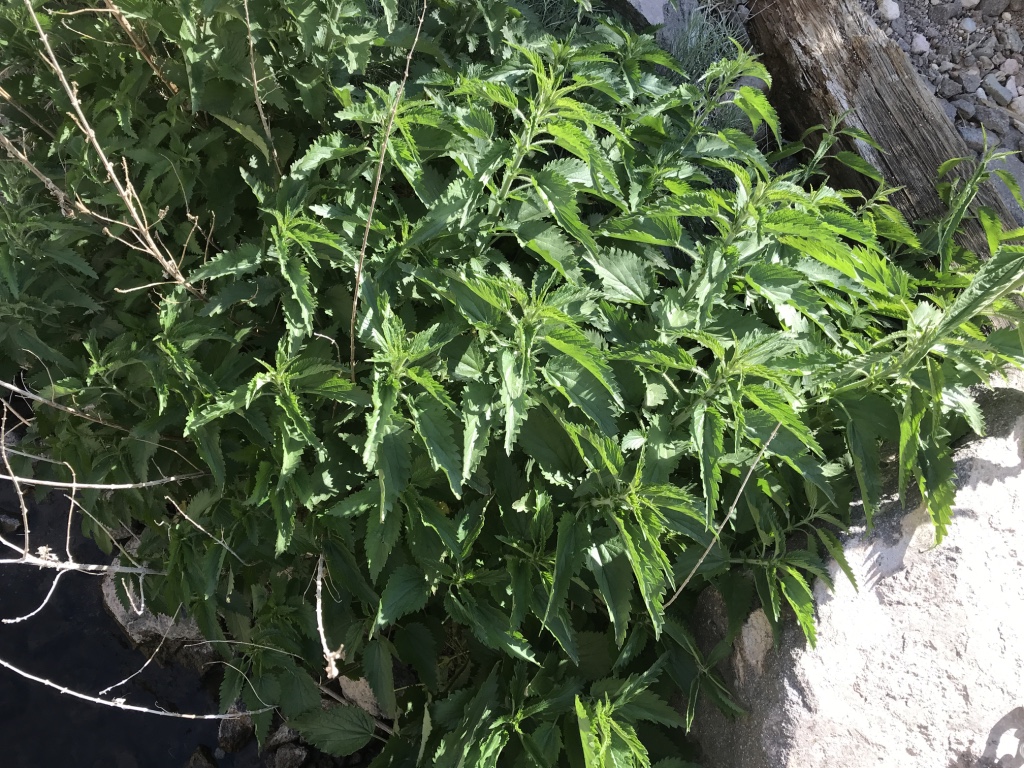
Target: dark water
(73, 642)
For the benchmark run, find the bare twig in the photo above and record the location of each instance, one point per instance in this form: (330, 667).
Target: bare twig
(42, 605)
(15, 480)
(376, 188)
(120, 703)
(215, 538)
(140, 46)
(163, 639)
(101, 486)
(67, 206)
(140, 229)
(728, 517)
(256, 92)
(25, 113)
(56, 564)
(331, 657)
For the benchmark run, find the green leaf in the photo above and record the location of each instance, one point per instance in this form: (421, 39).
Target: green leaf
(567, 562)
(435, 428)
(614, 578)
(338, 731)
(866, 462)
(625, 276)
(559, 198)
(582, 389)
(242, 260)
(406, 592)
(799, 597)
(377, 666)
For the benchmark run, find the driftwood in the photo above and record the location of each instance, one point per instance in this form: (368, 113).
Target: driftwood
(827, 57)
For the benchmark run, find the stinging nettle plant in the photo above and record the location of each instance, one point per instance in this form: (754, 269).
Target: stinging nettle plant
(600, 355)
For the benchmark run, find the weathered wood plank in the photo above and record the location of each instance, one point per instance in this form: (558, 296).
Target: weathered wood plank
(827, 57)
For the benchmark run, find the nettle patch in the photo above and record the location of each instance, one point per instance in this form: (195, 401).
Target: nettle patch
(603, 355)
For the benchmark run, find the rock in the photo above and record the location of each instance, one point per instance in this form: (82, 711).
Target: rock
(201, 758)
(987, 49)
(974, 137)
(993, 7)
(964, 108)
(899, 26)
(948, 109)
(283, 735)
(919, 45)
(969, 25)
(1017, 105)
(9, 524)
(234, 733)
(920, 668)
(1011, 85)
(949, 88)
(970, 79)
(1010, 67)
(889, 10)
(993, 118)
(968, 4)
(289, 756)
(1017, 5)
(1014, 43)
(942, 13)
(1000, 94)
(181, 638)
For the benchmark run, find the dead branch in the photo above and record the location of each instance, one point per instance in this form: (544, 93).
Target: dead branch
(102, 486)
(256, 92)
(120, 703)
(376, 188)
(331, 657)
(140, 229)
(140, 46)
(728, 516)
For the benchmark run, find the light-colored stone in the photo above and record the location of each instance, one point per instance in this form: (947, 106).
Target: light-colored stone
(998, 92)
(889, 10)
(1010, 67)
(923, 666)
(919, 45)
(969, 25)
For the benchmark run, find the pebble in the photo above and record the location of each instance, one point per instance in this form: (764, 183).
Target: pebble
(919, 45)
(969, 25)
(1010, 67)
(999, 93)
(889, 9)
(970, 79)
(1017, 105)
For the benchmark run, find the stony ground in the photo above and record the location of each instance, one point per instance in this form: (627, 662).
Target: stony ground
(971, 55)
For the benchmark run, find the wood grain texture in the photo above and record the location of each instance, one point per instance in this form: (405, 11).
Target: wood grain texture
(827, 57)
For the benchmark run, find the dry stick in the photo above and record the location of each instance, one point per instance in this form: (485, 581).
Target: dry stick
(331, 657)
(728, 517)
(139, 45)
(14, 479)
(42, 605)
(81, 414)
(376, 188)
(163, 639)
(140, 228)
(119, 703)
(28, 116)
(197, 525)
(256, 92)
(65, 203)
(101, 486)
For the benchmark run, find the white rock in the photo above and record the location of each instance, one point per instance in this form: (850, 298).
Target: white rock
(920, 45)
(1011, 84)
(1010, 67)
(968, 4)
(1007, 16)
(969, 25)
(922, 667)
(889, 9)
(1017, 105)
(980, 93)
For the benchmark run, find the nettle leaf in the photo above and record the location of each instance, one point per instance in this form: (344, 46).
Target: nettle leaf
(625, 276)
(406, 592)
(434, 427)
(340, 730)
(584, 390)
(377, 666)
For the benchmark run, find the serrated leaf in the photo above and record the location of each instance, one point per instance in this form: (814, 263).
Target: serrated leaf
(338, 731)
(434, 427)
(406, 592)
(625, 276)
(377, 666)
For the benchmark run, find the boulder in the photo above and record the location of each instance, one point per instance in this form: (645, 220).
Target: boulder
(235, 732)
(922, 666)
(181, 638)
